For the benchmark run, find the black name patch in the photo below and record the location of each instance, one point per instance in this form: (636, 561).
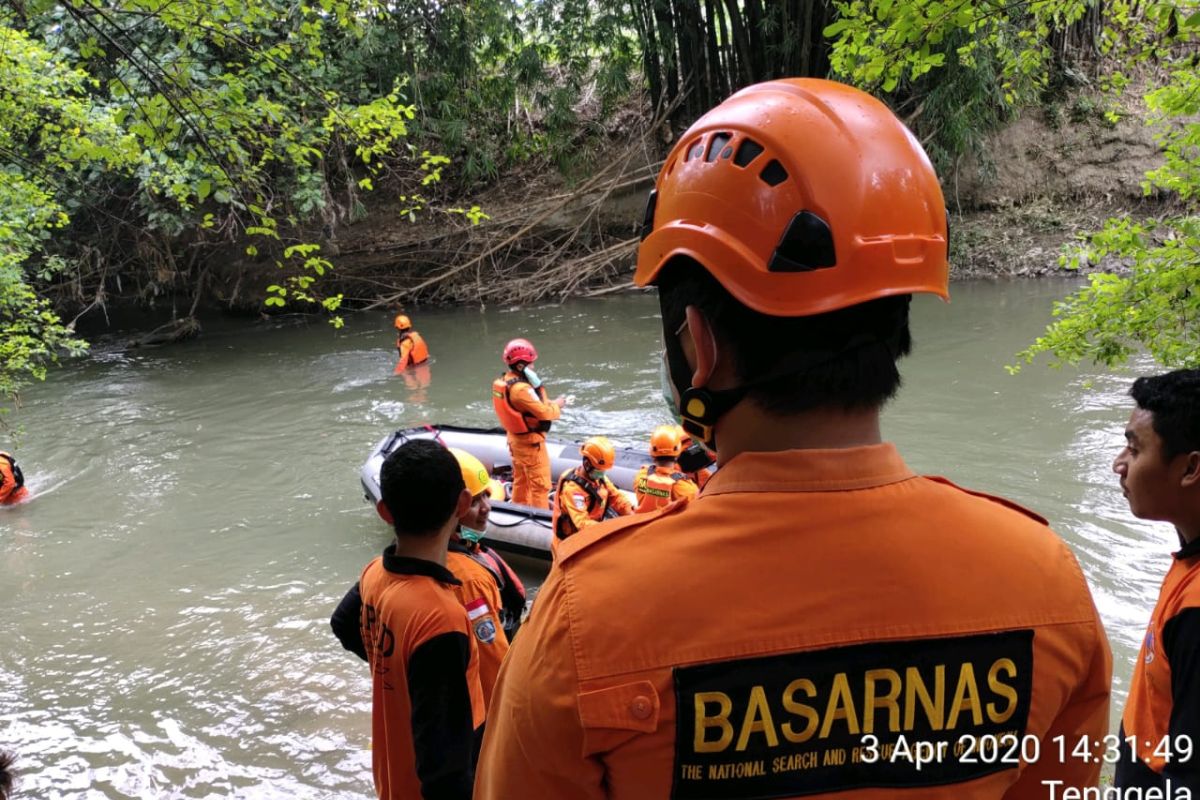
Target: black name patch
(884, 714)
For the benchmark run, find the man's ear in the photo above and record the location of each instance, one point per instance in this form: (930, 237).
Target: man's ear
(1191, 470)
(464, 504)
(704, 347)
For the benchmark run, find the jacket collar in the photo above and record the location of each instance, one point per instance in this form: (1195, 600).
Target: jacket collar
(811, 470)
(406, 565)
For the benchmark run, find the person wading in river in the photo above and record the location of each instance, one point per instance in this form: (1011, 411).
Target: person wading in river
(819, 607)
(427, 709)
(410, 345)
(12, 481)
(1160, 476)
(520, 402)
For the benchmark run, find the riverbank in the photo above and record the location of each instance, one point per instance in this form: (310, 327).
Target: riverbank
(1055, 173)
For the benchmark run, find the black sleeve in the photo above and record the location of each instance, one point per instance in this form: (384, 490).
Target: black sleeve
(1181, 642)
(345, 623)
(444, 736)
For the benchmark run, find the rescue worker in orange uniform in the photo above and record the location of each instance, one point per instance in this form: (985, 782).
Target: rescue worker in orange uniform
(584, 495)
(410, 345)
(521, 405)
(12, 481)
(776, 636)
(656, 486)
(1160, 477)
(490, 591)
(427, 708)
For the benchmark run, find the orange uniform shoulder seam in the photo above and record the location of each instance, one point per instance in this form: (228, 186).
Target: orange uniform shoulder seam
(1004, 501)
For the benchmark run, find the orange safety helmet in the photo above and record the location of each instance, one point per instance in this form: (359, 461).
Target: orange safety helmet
(665, 442)
(519, 350)
(403, 323)
(474, 474)
(599, 450)
(800, 196)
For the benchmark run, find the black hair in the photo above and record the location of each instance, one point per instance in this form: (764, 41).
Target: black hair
(420, 482)
(6, 774)
(1173, 400)
(844, 359)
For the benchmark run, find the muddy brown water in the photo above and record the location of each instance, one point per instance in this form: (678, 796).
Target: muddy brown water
(164, 600)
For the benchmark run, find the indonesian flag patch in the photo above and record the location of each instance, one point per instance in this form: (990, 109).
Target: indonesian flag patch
(477, 609)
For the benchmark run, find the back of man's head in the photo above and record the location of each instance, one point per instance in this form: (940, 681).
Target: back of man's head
(1173, 400)
(817, 214)
(844, 360)
(420, 483)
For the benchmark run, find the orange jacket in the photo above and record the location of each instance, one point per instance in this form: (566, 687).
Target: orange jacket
(412, 349)
(427, 703)
(1162, 713)
(743, 644)
(12, 482)
(579, 502)
(661, 487)
(520, 408)
(480, 595)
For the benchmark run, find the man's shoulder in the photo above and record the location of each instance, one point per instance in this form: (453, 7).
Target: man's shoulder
(995, 500)
(475, 577)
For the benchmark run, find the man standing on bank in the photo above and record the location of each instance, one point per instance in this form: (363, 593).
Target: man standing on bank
(402, 616)
(818, 605)
(1160, 476)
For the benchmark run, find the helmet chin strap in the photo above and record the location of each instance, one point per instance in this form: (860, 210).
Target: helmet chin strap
(699, 408)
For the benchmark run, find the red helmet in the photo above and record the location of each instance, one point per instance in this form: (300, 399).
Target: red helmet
(599, 450)
(519, 350)
(403, 323)
(665, 442)
(800, 196)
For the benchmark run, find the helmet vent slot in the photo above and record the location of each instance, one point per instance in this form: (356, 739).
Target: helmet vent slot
(717, 144)
(695, 150)
(773, 173)
(747, 152)
(806, 245)
(648, 215)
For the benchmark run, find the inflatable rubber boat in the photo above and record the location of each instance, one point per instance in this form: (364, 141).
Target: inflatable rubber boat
(511, 527)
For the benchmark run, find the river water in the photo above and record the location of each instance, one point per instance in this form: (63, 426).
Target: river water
(164, 600)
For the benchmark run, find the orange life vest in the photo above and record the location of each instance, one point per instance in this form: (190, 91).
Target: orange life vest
(598, 506)
(511, 420)
(419, 352)
(11, 478)
(653, 489)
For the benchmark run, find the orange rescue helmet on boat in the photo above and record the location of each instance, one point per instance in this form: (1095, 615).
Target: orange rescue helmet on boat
(599, 450)
(403, 323)
(474, 474)
(665, 442)
(519, 350)
(800, 196)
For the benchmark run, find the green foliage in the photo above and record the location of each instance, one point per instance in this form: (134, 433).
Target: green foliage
(155, 134)
(880, 43)
(883, 45)
(1155, 305)
(138, 127)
